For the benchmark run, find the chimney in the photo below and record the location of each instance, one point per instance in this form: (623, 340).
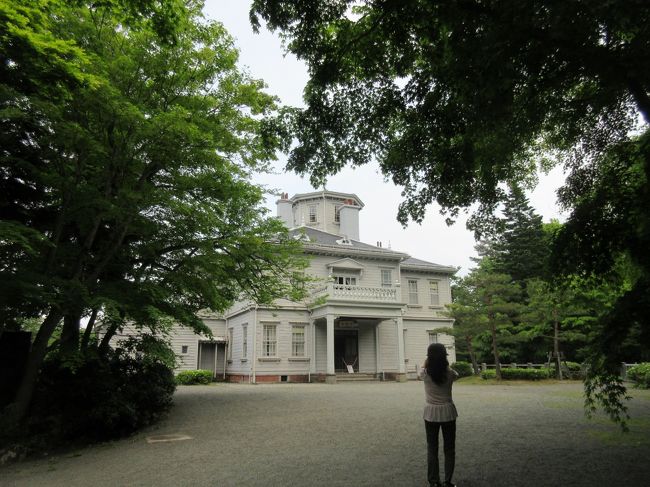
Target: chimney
(285, 210)
(349, 220)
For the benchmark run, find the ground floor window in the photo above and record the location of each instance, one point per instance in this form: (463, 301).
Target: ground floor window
(230, 344)
(298, 341)
(269, 341)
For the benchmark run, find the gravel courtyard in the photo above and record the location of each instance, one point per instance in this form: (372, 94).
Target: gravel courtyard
(361, 434)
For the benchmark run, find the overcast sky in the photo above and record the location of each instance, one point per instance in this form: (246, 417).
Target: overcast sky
(263, 57)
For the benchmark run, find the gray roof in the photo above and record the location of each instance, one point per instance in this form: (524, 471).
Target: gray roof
(320, 239)
(414, 263)
(327, 239)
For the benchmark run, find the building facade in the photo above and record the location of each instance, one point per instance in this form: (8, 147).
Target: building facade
(371, 311)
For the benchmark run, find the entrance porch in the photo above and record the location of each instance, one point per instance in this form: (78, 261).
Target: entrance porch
(360, 346)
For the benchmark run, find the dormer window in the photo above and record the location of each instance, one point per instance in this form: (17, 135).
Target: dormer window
(302, 237)
(345, 280)
(312, 214)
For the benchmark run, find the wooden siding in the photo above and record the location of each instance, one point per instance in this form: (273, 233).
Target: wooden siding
(424, 308)
(417, 341)
(284, 320)
(370, 277)
(236, 365)
(388, 361)
(321, 348)
(367, 349)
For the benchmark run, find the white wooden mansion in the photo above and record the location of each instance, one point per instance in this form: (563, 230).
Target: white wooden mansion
(373, 309)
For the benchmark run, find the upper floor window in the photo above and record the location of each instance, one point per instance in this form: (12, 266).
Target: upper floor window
(433, 337)
(433, 292)
(230, 344)
(269, 341)
(312, 214)
(345, 280)
(298, 341)
(386, 278)
(337, 213)
(244, 342)
(413, 291)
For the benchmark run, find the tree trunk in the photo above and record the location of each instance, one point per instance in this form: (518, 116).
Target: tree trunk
(112, 329)
(495, 349)
(556, 343)
(472, 355)
(70, 334)
(17, 410)
(89, 329)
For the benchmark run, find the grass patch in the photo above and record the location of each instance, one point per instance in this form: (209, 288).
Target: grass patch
(477, 380)
(609, 434)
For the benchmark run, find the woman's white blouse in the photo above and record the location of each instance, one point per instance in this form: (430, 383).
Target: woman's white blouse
(439, 406)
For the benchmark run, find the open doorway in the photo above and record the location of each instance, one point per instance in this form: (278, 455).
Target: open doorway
(208, 357)
(346, 350)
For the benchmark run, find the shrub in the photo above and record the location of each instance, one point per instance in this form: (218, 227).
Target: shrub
(464, 369)
(99, 397)
(191, 377)
(640, 374)
(517, 374)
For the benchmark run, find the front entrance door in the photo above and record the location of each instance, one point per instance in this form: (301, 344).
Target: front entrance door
(346, 350)
(207, 356)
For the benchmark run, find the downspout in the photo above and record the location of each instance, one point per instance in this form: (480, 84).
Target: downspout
(225, 352)
(252, 378)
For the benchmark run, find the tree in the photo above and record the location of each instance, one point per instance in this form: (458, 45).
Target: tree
(468, 319)
(491, 299)
(456, 98)
(453, 98)
(125, 175)
(521, 250)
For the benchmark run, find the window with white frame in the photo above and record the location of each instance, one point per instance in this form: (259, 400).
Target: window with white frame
(345, 280)
(298, 341)
(312, 214)
(244, 341)
(269, 341)
(230, 344)
(337, 213)
(386, 278)
(413, 291)
(434, 293)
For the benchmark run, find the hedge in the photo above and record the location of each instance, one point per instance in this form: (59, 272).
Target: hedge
(464, 369)
(517, 374)
(640, 374)
(191, 377)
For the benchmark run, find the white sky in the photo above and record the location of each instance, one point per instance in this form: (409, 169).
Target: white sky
(263, 57)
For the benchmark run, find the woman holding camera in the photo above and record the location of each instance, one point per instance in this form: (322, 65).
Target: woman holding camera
(439, 413)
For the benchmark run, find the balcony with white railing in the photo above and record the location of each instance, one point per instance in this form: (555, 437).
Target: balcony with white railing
(342, 292)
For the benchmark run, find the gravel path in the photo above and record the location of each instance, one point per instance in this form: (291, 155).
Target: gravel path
(361, 434)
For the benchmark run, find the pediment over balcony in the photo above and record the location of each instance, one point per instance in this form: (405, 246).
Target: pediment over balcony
(346, 264)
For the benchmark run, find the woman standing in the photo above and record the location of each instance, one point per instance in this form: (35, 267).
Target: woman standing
(439, 413)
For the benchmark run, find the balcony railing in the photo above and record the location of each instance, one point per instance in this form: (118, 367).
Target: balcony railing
(358, 293)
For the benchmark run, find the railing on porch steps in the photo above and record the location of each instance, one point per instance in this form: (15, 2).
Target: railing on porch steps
(356, 377)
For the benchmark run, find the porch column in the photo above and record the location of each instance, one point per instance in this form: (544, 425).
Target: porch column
(331, 375)
(401, 376)
(312, 361)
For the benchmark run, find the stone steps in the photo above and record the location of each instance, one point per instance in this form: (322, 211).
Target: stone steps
(356, 377)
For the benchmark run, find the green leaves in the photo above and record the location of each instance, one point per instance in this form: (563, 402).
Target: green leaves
(129, 190)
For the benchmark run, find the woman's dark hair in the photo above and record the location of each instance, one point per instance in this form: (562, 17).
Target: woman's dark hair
(437, 363)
